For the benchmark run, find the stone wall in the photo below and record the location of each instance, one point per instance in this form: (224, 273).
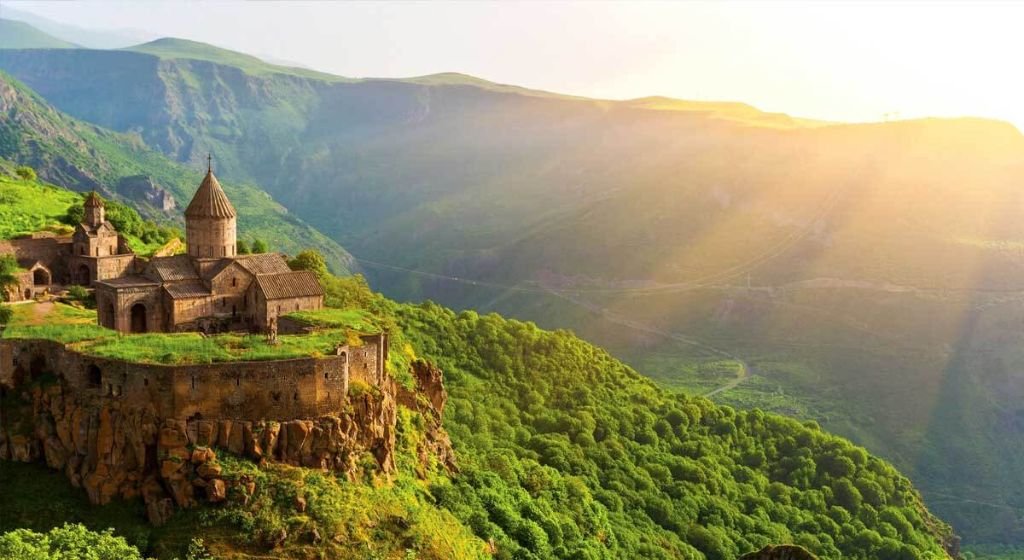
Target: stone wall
(278, 389)
(51, 251)
(130, 430)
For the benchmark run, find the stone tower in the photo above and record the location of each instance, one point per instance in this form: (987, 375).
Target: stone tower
(94, 211)
(210, 229)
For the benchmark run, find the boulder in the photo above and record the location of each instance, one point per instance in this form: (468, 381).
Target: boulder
(216, 491)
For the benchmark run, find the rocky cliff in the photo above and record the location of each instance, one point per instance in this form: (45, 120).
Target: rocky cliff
(116, 449)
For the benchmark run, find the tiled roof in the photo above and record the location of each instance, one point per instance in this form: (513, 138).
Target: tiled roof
(264, 263)
(93, 200)
(210, 201)
(187, 289)
(299, 283)
(92, 231)
(212, 272)
(128, 281)
(171, 269)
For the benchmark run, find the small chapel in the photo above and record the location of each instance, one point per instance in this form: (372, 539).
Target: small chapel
(210, 288)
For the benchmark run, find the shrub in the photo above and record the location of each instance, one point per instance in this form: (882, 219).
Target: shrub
(25, 172)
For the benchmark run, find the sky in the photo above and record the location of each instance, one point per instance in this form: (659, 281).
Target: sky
(843, 61)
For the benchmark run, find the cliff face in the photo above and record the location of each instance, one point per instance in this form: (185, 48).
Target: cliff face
(122, 449)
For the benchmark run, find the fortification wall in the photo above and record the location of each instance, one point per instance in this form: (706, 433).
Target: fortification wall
(278, 389)
(51, 251)
(124, 430)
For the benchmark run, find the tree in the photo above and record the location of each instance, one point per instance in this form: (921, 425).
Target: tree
(259, 246)
(242, 247)
(8, 272)
(25, 172)
(311, 260)
(69, 541)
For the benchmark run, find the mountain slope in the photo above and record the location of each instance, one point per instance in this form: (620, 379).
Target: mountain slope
(74, 154)
(865, 273)
(20, 35)
(564, 452)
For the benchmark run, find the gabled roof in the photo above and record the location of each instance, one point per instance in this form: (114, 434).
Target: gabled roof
(92, 231)
(210, 201)
(300, 283)
(130, 281)
(187, 289)
(264, 263)
(172, 269)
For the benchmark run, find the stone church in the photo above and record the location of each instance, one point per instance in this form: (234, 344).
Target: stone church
(209, 289)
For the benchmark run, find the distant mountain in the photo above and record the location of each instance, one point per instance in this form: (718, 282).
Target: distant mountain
(868, 276)
(20, 35)
(81, 156)
(183, 49)
(87, 38)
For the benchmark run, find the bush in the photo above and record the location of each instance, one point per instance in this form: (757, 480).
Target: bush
(69, 541)
(25, 172)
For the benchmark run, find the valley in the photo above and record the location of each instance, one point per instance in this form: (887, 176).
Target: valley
(869, 277)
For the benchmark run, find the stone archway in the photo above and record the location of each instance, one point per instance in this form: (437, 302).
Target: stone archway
(41, 277)
(138, 318)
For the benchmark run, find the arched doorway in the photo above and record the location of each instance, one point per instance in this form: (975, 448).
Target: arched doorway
(41, 277)
(28, 293)
(138, 318)
(82, 277)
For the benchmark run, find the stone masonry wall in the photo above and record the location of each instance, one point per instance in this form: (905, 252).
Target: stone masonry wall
(129, 430)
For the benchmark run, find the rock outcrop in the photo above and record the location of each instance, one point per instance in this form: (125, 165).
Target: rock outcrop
(142, 188)
(117, 449)
(428, 398)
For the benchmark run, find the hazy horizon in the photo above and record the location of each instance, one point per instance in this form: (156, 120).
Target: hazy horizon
(838, 61)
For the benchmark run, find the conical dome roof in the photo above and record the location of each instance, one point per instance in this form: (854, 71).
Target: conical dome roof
(210, 201)
(93, 200)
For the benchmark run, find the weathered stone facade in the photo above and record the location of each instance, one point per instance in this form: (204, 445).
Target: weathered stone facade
(127, 430)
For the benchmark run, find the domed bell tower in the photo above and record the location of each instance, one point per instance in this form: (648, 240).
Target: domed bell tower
(94, 211)
(210, 221)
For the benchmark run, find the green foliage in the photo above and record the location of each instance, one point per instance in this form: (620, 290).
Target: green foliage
(25, 173)
(259, 246)
(62, 543)
(85, 157)
(310, 259)
(144, 236)
(29, 206)
(8, 271)
(568, 452)
(242, 247)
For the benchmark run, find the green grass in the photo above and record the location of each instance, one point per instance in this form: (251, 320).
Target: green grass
(29, 206)
(356, 319)
(71, 325)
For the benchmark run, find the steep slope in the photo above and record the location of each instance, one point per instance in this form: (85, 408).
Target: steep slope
(864, 273)
(20, 35)
(82, 156)
(563, 451)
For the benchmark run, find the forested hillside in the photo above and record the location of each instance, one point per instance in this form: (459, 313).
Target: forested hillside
(84, 157)
(868, 276)
(563, 452)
